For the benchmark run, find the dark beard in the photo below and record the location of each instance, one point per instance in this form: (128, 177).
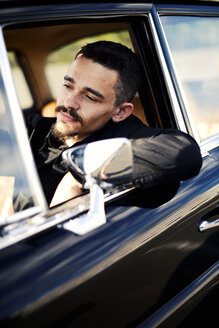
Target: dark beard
(61, 136)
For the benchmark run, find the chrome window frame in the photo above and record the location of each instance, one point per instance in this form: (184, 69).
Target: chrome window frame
(166, 66)
(181, 108)
(10, 98)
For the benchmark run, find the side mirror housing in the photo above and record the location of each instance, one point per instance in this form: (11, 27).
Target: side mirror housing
(100, 165)
(108, 162)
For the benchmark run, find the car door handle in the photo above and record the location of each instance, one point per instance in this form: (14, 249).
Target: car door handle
(209, 220)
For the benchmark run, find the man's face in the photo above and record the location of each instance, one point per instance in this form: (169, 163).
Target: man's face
(86, 99)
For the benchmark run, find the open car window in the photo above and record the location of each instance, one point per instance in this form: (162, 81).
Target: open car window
(37, 74)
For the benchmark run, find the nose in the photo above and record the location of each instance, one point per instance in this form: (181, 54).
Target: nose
(72, 101)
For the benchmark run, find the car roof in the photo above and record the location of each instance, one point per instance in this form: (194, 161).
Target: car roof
(15, 3)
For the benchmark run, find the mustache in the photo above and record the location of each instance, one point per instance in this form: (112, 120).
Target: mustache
(70, 112)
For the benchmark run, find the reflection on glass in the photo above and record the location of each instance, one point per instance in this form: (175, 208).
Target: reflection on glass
(15, 191)
(194, 44)
(22, 89)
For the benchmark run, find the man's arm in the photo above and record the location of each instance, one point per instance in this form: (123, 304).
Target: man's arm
(168, 156)
(67, 189)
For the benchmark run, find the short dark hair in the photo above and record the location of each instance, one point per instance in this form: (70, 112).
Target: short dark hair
(117, 57)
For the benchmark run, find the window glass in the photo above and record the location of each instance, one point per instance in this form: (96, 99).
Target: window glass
(20, 82)
(60, 59)
(194, 44)
(13, 182)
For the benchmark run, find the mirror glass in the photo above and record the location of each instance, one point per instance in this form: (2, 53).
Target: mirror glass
(106, 160)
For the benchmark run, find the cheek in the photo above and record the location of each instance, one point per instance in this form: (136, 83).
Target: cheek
(61, 96)
(58, 100)
(96, 119)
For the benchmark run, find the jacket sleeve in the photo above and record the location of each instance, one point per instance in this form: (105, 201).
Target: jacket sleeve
(167, 156)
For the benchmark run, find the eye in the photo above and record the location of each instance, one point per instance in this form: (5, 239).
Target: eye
(66, 85)
(91, 98)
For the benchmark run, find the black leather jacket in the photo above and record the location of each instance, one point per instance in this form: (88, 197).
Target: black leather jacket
(160, 156)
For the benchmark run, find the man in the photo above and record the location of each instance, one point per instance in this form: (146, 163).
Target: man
(94, 103)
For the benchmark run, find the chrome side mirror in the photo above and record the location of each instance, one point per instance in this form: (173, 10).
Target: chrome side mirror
(108, 162)
(100, 165)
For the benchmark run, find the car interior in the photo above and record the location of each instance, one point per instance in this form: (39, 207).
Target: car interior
(33, 45)
(39, 56)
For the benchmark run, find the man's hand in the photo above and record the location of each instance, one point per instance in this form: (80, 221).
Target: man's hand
(67, 189)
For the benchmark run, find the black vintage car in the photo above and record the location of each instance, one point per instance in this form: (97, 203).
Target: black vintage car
(108, 261)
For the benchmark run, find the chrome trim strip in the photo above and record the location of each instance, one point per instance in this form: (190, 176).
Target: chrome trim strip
(32, 226)
(57, 215)
(93, 10)
(182, 298)
(209, 144)
(187, 10)
(19, 127)
(205, 225)
(20, 216)
(181, 110)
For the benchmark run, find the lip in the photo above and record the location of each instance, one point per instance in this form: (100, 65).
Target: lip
(66, 117)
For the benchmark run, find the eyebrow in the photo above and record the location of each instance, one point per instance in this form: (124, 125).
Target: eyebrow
(95, 92)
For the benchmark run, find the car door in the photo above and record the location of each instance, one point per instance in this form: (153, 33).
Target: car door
(188, 39)
(149, 264)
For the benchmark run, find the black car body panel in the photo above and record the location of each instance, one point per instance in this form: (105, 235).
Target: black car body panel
(142, 256)
(149, 265)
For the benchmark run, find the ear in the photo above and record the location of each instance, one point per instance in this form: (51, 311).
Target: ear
(122, 112)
